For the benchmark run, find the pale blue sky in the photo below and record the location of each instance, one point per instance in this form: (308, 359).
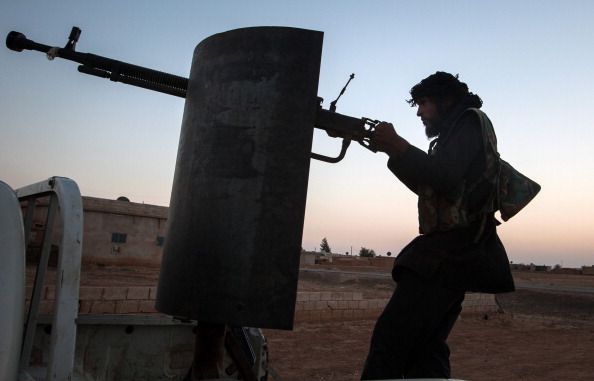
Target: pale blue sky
(531, 62)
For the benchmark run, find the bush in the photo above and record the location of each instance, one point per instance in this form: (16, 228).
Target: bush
(365, 252)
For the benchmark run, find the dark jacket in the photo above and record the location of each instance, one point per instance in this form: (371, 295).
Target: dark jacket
(472, 258)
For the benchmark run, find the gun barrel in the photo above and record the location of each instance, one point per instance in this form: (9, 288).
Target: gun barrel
(124, 72)
(18, 42)
(104, 67)
(335, 124)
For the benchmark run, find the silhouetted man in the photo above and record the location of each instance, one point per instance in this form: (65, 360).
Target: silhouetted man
(458, 248)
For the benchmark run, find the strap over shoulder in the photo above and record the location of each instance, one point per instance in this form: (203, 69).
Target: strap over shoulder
(514, 189)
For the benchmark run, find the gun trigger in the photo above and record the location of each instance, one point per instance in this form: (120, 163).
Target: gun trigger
(367, 143)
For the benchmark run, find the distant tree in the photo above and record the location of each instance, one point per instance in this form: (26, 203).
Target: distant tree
(389, 253)
(324, 247)
(365, 252)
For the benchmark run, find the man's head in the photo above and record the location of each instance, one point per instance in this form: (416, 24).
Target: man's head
(435, 96)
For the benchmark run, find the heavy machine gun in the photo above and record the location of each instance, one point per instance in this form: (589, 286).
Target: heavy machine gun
(336, 125)
(237, 210)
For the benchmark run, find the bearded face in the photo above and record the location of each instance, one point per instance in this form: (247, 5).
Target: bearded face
(431, 130)
(428, 112)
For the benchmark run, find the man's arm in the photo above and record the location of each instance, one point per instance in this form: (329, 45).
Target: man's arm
(447, 167)
(386, 139)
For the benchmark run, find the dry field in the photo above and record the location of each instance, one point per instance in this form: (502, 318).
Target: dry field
(542, 335)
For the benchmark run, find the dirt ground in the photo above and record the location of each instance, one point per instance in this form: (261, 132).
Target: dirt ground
(495, 349)
(542, 335)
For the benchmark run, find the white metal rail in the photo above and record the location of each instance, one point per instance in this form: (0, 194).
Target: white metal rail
(66, 204)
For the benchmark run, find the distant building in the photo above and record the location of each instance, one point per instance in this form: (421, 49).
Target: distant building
(567, 271)
(540, 268)
(116, 232)
(531, 267)
(307, 258)
(120, 232)
(519, 267)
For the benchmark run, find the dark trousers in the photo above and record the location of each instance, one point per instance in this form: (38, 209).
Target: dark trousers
(409, 338)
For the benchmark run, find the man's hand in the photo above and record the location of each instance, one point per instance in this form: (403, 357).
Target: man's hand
(386, 139)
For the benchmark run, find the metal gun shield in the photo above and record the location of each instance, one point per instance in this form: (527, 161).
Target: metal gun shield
(235, 225)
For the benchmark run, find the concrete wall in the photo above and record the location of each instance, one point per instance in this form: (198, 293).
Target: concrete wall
(352, 260)
(310, 306)
(330, 306)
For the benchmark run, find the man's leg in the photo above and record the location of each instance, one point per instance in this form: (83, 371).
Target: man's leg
(410, 320)
(433, 360)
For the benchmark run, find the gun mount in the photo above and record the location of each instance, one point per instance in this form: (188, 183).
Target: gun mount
(236, 216)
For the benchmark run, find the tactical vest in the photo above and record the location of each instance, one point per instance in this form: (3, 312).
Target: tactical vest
(444, 212)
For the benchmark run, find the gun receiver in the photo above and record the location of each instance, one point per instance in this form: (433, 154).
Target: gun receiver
(335, 124)
(346, 127)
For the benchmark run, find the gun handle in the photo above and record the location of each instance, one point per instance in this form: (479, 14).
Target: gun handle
(328, 159)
